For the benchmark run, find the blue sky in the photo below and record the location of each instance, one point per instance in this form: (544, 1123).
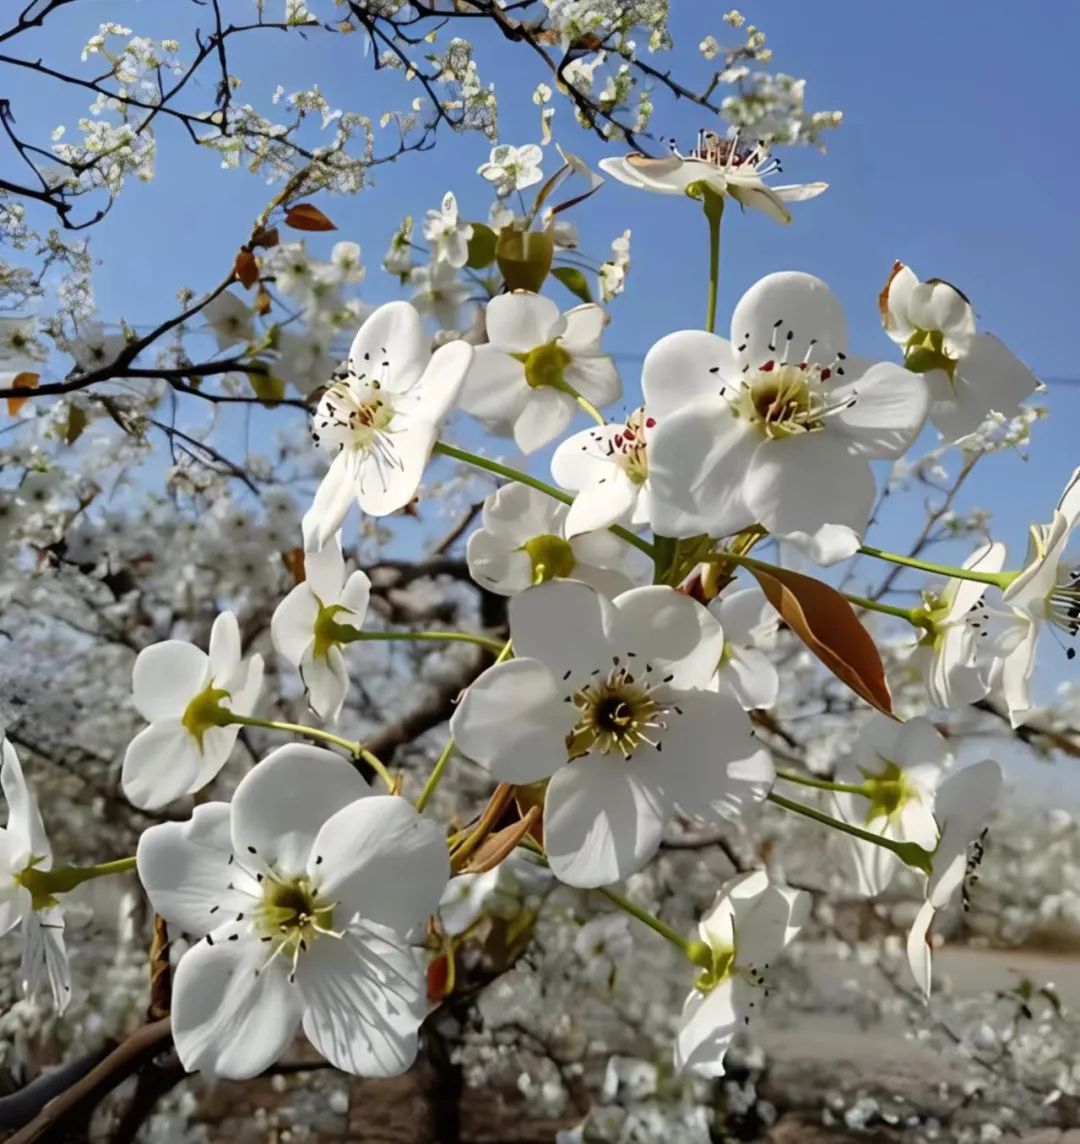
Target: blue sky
(957, 155)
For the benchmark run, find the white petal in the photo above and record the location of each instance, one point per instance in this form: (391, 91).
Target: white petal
(767, 917)
(1016, 671)
(44, 955)
(356, 595)
(743, 613)
(686, 366)
(186, 869)
(227, 1019)
(676, 634)
(601, 823)
(711, 766)
(166, 676)
(799, 192)
(698, 459)
(327, 681)
(324, 570)
(988, 557)
(918, 743)
(566, 625)
(439, 386)
(991, 378)
(26, 837)
(887, 410)
(707, 1026)
(579, 329)
(595, 377)
(753, 678)
(379, 858)
(495, 388)
(896, 315)
(393, 333)
(225, 650)
(496, 566)
(382, 488)
(544, 417)
(918, 947)
(333, 498)
(585, 457)
(608, 500)
(788, 301)
(810, 493)
(762, 198)
(514, 721)
(364, 1001)
(516, 513)
(936, 305)
(292, 626)
(964, 802)
(164, 762)
(517, 323)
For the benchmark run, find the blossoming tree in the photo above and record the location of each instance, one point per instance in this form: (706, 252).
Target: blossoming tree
(359, 807)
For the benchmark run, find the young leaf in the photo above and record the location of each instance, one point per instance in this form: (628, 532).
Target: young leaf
(268, 389)
(304, 216)
(481, 246)
(76, 423)
(246, 269)
(21, 381)
(574, 281)
(500, 845)
(827, 624)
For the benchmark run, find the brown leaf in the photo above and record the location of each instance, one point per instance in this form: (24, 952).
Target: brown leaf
(827, 624)
(76, 423)
(262, 302)
(304, 216)
(246, 269)
(160, 973)
(530, 796)
(439, 978)
(267, 237)
(21, 381)
(499, 845)
(883, 296)
(294, 564)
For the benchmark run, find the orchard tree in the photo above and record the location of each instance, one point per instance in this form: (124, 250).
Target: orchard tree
(342, 742)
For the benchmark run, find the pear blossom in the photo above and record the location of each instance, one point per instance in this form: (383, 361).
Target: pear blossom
(525, 382)
(776, 426)
(20, 347)
(94, 349)
(608, 468)
(24, 847)
(439, 292)
(382, 419)
(606, 700)
(230, 318)
(344, 265)
(512, 168)
(752, 920)
(299, 895)
(462, 902)
(953, 655)
(750, 623)
(963, 804)
(1046, 591)
(969, 375)
(604, 943)
(448, 235)
(900, 766)
(187, 695)
(311, 623)
(726, 166)
(305, 358)
(524, 539)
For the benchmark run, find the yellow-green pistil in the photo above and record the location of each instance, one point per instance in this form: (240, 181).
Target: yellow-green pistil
(887, 791)
(328, 632)
(205, 711)
(545, 365)
(291, 914)
(925, 350)
(551, 557)
(717, 963)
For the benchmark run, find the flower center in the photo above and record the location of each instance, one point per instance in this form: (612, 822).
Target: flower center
(544, 365)
(888, 790)
(783, 400)
(1063, 604)
(618, 712)
(291, 915)
(627, 448)
(354, 416)
(328, 632)
(551, 557)
(731, 154)
(205, 711)
(925, 351)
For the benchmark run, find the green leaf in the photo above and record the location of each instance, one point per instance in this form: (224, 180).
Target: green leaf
(268, 389)
(574, 280)
(76, 423)
(481, 246)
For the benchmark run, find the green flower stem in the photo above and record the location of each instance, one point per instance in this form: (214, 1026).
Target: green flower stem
(911, 615)
(44, 885)
(822, 784)
(444, 758)
(357, 750)
(510, 474)
(643, 916)
(665, 549)
(713, 204)
(583, 402)
(432, 637)
(910, 853)
(997, 579)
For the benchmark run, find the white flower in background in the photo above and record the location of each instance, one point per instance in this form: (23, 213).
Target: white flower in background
(900, 765)
(39, 489)
(312, 622)
(383, 418)
(186, 694)
(305, 358)
(302, 892)
(750, 623)
(512, 168)
(523, 382)
(463, 901)
(604, 943)
(604, 699)
(292, 269)
(524, 539)
(93, 348)
(724, 165)
(344, 266)
(24, 847)
(613, 272)
(448, 234)
(20, 348)
(777, 426)
(230, 318)
(1047, 591)
(398, 259)
(963, 804)
(749, 925)
(969, 375)
(954, 655)
(439, 292)
(608, 467)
